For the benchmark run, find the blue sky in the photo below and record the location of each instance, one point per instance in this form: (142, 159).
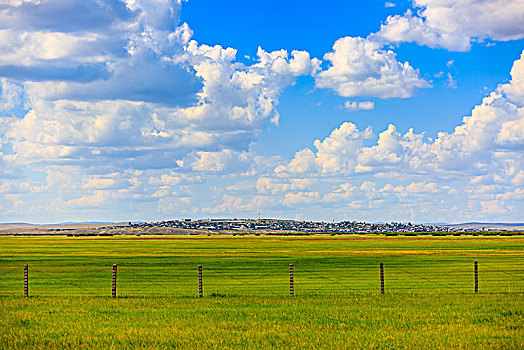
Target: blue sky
(346, 110)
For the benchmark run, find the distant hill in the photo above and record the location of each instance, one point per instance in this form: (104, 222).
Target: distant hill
(506, 226)
(72, 225)
(15, 225)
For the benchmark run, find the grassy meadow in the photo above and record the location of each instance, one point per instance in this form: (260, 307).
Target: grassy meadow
(429, 298)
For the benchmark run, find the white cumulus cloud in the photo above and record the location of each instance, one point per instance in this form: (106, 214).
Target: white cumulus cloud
(362, 67)
(362, 105)
(455, 24)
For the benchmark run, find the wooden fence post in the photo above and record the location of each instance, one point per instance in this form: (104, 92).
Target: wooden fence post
(200, 293)
(26, 281)
(476, 276)
(291, 281)
(113, 292)
(382, 278)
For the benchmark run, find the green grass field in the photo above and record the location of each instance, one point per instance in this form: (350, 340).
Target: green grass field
(429, 298)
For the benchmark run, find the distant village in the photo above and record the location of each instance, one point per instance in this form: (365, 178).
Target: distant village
(269, 226)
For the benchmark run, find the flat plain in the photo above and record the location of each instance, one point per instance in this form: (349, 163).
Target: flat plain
(429, 298)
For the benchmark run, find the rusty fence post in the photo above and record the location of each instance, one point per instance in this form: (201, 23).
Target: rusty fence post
(113, 291)
(476, 276)
(26, 281)
(382, 278)
(200, 292)
(291, 281)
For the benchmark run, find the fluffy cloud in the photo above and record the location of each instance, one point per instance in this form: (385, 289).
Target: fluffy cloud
(220, 161)
(412, 188)
(234, 102)
(515, 88)
(361, 67)
(335, 154)
(409, 28)
(454, 24)
(132, 117)
(492, 135)
(479, 166)
(495, 19)
(113, 88)
(388, 150)
(355, 106)
(18, 187)
(11, 95)
(73, 16)
(343, 193)
(107, 50)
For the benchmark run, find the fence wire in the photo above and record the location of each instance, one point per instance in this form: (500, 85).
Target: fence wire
(269, 277)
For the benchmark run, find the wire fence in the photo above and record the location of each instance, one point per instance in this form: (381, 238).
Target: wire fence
(271, 278)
